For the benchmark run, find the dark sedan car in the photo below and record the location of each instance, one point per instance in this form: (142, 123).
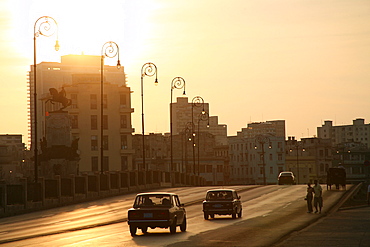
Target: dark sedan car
(157, 209)
(222, 202)
(286, 178)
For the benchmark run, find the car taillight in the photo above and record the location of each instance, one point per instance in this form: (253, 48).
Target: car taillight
(163, 215)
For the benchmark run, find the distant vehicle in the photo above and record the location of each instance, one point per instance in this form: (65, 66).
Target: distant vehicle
(336, 176)
(222, 202)
(286, 178)
(153, 210)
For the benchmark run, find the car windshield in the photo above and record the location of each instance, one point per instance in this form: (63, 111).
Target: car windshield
(153, 201)
(286, 174)
(219, 195)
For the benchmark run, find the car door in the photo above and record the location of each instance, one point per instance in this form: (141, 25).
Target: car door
(179, 209)
(237, 201)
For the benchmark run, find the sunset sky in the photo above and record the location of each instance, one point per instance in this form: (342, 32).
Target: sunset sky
(302, 61)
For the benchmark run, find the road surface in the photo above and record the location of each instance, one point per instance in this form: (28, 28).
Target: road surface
(269, 214)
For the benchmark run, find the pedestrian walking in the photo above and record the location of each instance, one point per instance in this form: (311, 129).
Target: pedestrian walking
(309, 198)
(317, 199)
(368, 194)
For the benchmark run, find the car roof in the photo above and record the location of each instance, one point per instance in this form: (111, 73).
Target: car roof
(156, 193)
(215, 190)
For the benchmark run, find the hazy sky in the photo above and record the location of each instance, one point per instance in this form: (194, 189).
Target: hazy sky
(303, 61)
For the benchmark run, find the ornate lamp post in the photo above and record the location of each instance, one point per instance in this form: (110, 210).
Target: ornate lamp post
(203, 116)
(110, 49)
(43, 26)
(262, 140)
(297, 146)
(197, 101)
(177, 83)
(148, 69)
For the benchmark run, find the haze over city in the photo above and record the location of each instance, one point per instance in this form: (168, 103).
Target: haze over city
(300, 61)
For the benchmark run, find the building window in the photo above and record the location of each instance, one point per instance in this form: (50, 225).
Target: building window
(74, 121)
(271, 170)
(209, 168)
(280, 157)
(94, 143)
(261, 170)
(123, 121)
(270, 156)
(94, 122)
(94, 164)
(219, 168)
(74, 101)
(122, 100)
(124, 163)
(105, 143)
(105, 122)
(93, 101)
(123, 141)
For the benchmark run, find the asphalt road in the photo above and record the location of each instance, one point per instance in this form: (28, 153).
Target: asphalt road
(269, 214)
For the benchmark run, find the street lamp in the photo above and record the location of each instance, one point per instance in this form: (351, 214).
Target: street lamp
(203, 116)
(262, 140)
(110, 49)
(148, 69)
(177, 83)
(298, 145)
(197, 101)
(43, 26)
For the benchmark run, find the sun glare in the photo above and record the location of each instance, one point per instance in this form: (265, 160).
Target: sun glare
(83, 27)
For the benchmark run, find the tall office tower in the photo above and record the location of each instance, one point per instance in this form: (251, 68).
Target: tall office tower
(78, 78)
(186, 112)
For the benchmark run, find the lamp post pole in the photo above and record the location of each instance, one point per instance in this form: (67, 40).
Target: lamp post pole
(189, 128)
(197, 101)
(148, 69)
(297, 147)
(261, 139)
(203, 116)
(110, 49)
(43, 27)
(177, 83)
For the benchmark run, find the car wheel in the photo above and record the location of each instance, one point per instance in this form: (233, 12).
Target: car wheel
(233, 215)
(240, 213)
(183, 225)
(144, 229)
(205, 216)
(133, 230)
(173, 227)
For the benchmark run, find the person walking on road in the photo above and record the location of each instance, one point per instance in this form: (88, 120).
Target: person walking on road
(317, 200)
(309, 198)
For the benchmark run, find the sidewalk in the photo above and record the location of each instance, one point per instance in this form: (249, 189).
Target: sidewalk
(346, 227)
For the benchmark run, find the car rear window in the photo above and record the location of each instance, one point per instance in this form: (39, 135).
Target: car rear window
(153, 201)
(219, 195)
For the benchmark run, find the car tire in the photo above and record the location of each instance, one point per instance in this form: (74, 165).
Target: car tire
(144, 229)
(133, 230)
(240, 213)
(233, 215)
(183, 225)
(206, 216)
(173, 227)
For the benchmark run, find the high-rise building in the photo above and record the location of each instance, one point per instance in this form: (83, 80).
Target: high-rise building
(357, 132)
(184, 112)
(79, 78)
